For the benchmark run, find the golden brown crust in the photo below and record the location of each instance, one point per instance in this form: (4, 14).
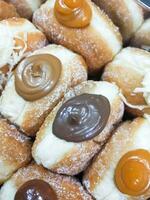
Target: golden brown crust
(87, 42)
(7, 10)
(15, 149)
(121, 15)
(66, 187)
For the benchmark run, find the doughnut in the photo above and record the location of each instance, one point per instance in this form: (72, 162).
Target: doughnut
(25, 8)
(35, 182)
(38, 83)
(122, 169)
(7, 10)
(130, 72)
(78, 127)
(141, 38)
(126, 14)
(88, 31)
(18, 37)
(15, 150)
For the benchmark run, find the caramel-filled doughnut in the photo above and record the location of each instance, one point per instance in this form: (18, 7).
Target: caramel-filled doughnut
(7, 10)
(78, 127)
(15, 150)
(127, 15)
(130, 71)
(43, 184)
(121, 170)
(18, 37)
(141, 38)
(25, 8)
(82, 27)
(38, 83)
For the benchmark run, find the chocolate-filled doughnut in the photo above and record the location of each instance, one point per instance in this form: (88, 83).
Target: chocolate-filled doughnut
(78, 127)
(82, 27)
(127, 15)
(37, 85)
(35, 182)
(130, 71)
(15, 150)
(122, 169)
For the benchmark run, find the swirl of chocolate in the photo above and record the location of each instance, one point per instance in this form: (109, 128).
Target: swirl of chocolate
(36, 76)
(35, 189)
(81, 118)
(73, 13)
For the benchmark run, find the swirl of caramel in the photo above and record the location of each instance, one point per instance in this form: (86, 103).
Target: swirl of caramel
(132, 175)
(73, 13)
(35, 189)
(37, 75)
(81, 118)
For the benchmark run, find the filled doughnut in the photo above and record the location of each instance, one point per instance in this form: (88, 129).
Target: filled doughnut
(121, 171)
(35, 182)
(25, 8)
(38, 83)
(18, 37)
(82, 27)
(7, 10)
(78, 127)
(141, 38)
(127, 15)
(130, 71)
(15, 150)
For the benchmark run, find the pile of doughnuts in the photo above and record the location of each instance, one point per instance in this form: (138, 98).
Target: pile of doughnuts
(74, 100)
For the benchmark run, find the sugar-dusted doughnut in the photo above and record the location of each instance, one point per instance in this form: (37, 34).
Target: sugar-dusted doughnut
(38, 83)
(126, 14)
(78, 127)
(35, 182)
(130, 70)
(82, 27)
(122, 168)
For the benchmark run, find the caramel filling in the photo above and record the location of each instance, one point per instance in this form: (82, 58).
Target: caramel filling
(36, 76)
(132, 175)
(73, 13)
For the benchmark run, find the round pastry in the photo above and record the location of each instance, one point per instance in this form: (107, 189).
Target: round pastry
(18, 37)
(82, 27)
(130, 70)
(122, 168)
(25, 8)
(141, 38)
(7, 10)
(15, 150)
(35, 182)
(38, 83)
(78, 127)
(127, 15)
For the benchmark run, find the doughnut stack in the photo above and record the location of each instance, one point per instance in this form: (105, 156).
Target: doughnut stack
(74, 100)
